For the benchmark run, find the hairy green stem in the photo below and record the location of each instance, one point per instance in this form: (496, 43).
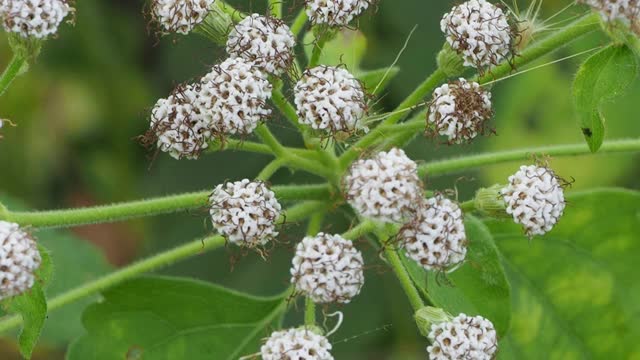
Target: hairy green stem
(474, 161)
(299, 22)
(150, 207)
(309, 312)
(403, 276)
(318, 47)
(270, 169)
(11, 72)
(276, 8)
(363, 228)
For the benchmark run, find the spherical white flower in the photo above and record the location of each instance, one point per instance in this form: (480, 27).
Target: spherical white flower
(436, 238)
(234, 97)
(464, 337)
(460, 111)
(535, 199)
(327, 268)
(296, 344)
(612, 10)
(386, 188)
(330, 98)
(178, 126)
(19, 259)
(245, 212)
(335, 12)
(180, 16)
(266, 41)
(479, 31)
(33, 18)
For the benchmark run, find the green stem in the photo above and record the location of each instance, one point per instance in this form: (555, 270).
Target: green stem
(270, 140)
(468, 206)
(299, 22)
(474, 161)
(236, 15)
(276, 8)
(363, 228)
(142, 208)
(403, 276)
(11, 72)
(318, 47)
(315, 222)
(309, 312)
(270, 170)
(286, 108)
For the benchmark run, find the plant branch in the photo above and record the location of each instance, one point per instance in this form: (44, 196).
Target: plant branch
(299, 22)
(11, 72)
(474, 161)
(276, 8)
(309, 312)
(403, 276)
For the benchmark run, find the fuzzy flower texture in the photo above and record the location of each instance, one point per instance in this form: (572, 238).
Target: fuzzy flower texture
(19, 260)
(296, 344)
(479, 31)
(180, 16)
(627, 11)
(335, 12)
(464, 337)
(33, 18)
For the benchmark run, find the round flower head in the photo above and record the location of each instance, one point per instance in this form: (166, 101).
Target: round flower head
(245, 212)
(535, 199)
(19, 259)
(296, 344)
(180, 16)
(177, 124)
(330, 99)
(436, 238)
(335, 12)
(460, 111)
(327, 268)
(479, 31)
(234, 97)
(386, 188)
(611, 10)
(33, 18)
(266, 41)
(464, 337)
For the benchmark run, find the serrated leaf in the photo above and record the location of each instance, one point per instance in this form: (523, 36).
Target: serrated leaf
(169, 318)
(479, 287)
(375, 81)
(575, 294)
(347, 48)
(602, 77)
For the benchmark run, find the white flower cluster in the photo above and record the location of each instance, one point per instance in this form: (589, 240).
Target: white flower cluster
(245, 212)
(266, 41)
(327, 268)
(535, 199)
(436, 238)
(330, 98)
(177, 124)
(19, 259)
(335, 12)
(460, 111)
(231, 99)
(612, 10)
(33, 18)
(464, 337)
(386, 187)
(180, 16)
(479, 31)
(234, 97)
(296, 344)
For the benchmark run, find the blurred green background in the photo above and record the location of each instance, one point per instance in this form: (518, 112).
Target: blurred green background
(82, 104)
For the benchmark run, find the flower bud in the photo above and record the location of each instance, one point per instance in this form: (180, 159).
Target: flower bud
(429, 315)
(489, 202)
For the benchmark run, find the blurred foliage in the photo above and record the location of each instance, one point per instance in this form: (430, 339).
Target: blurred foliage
(81, 106)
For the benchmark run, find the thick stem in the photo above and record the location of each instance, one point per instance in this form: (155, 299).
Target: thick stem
(403, 276)
(309, 312)
(11, 72)
(270, 170)
(299, 22)
(474, 161)
(142, 208)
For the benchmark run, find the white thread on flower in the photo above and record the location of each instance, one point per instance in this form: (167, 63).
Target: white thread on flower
(436, 237)
(178, 126)
(33, 18)
(327, 268)
(233, 97)
(180, 16)
(535, 199)
(19, 259)
(296, 344)
(611, 10)
(464, 337)
(330, 98)
(266, 41)
(335, 12)
(385, 188)
(460, 111)
(245, 212)
(479, 31)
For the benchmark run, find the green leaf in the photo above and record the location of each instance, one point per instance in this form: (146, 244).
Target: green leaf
(32, 307)
(348, 48)
(479, 287)
(166, 318)
(375, 81)
(575, 293)
(602, 77)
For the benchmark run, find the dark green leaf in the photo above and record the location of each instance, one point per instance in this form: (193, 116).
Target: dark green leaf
(602, 77)
(375, 81)
(164, 318)
(575, 294)
(479, 287)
